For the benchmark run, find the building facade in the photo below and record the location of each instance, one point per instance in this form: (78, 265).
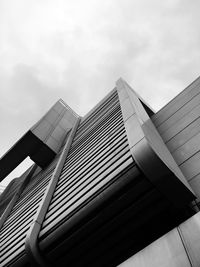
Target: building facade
(120, 185)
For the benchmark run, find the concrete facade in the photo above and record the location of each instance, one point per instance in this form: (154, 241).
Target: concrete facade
(117, 186)
(178, 124)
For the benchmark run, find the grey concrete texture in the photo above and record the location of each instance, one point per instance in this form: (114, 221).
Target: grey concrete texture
(178, 248)
(52, 128)
(179, 125)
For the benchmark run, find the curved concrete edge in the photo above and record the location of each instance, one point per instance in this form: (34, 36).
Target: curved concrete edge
(149, 150)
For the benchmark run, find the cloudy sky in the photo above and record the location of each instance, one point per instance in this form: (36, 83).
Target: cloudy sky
(76, 50)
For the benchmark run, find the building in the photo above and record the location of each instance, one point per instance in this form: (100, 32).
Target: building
(120, 185)
(1, 189)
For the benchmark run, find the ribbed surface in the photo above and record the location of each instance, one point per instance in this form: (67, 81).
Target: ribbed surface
(179, 125)
(99, 152)
(15, 228)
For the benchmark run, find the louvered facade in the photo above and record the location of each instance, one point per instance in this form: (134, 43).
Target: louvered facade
(103, 187)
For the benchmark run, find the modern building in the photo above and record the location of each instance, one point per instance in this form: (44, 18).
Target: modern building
(120, 185)
(1, 189)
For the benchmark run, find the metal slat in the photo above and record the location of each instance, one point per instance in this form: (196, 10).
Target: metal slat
(94, 151)
(99, 152)
(77, 167)
(103, 118)
(102, 198)
(100, 125)
(40, 187)
(15, 259)
(81, 202)
(75, 183)
(15, 198)
(104, 135)
(16, 223)
(88, 160)
(40, 176)
(37, 179)
(92, 180)
(24, 211)
(14, 243)
(92, 124)
(97, 111)
(11, 254)
(98, 163)
(23, 202)
(20, 229)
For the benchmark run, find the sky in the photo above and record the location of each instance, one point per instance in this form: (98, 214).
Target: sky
(77, 50)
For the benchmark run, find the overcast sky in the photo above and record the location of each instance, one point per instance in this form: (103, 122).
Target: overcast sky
(76, 50)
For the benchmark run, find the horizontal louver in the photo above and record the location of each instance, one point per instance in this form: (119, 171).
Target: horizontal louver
(98, 154)
(14, 230)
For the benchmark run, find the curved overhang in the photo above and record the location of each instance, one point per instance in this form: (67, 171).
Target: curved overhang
(149, 150)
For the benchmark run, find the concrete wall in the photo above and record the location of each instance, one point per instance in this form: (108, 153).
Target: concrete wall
(179, 125)
(178, 248)
(54, 125)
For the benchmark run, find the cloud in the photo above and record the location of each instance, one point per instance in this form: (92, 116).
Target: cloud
(77, 50)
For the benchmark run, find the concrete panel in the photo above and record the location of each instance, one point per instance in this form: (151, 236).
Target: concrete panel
(54, 125)
(134, 131)
(64, 123)
(167, 251)
(52, 116)
(134, 99)
(185, 96)
(185, 135)
(180, 113)
(71, 119)
(190, 231)
(122, 94)
(127, 108)
(183, 123)
(191, 167)
(187, 150)
(195, 184)
(59, 107)
(53, 144)
(59, 133)
(43, 129)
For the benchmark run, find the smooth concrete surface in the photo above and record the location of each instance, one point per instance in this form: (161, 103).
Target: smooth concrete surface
(191, 167)
(182, 137)
(167, 251)
(178, 248)
(195, 184)
(190, 232)
(176, 103)
(179, 114)
(179, 125)
(52, 128)
(187, 150)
